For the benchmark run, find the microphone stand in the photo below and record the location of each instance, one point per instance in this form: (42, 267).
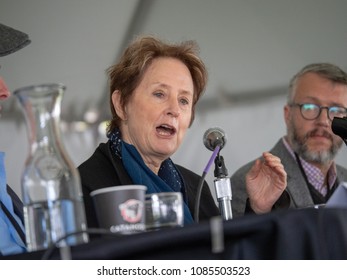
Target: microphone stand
(339, 127)
(223, 188)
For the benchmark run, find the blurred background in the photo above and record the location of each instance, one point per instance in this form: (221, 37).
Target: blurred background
(251, 49)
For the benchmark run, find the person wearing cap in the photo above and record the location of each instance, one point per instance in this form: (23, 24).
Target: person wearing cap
(12, 237)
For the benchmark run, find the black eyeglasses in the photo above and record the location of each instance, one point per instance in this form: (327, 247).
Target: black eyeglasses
(311, 111)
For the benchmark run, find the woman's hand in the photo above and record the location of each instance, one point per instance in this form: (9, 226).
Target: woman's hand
(265, 183)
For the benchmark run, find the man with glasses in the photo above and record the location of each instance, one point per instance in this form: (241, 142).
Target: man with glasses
(12, 238)
(317, 94)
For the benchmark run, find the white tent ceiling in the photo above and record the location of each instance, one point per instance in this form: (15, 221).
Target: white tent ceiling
(250, 47)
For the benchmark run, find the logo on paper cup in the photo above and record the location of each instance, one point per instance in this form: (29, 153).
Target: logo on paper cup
(131, 210)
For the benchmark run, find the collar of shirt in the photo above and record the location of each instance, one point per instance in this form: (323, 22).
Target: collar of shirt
(313, 173)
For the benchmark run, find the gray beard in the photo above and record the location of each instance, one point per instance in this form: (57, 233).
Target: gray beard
(321, 157)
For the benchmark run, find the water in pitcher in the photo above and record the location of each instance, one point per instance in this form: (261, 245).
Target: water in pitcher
(50, 221)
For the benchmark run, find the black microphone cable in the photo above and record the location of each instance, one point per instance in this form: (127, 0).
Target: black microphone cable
(201, 183)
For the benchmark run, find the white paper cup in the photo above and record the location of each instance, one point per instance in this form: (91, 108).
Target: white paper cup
(120, 209)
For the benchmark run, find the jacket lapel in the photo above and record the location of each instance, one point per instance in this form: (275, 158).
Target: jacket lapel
(296, 185)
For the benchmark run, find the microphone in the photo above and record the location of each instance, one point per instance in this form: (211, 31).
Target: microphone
(214, 140)
(339, 127)
(214, 137)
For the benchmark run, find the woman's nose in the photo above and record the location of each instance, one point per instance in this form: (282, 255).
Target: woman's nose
(4, 91)
(173, 108)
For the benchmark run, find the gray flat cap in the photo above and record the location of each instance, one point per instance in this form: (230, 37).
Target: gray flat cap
(11, 40)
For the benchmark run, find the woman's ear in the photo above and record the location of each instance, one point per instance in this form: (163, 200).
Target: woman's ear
(116, 101)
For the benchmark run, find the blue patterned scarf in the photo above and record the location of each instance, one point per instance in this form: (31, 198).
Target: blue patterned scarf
(167, 180)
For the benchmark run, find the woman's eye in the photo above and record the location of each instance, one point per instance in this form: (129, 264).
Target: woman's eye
(184, 101)
(158, 94)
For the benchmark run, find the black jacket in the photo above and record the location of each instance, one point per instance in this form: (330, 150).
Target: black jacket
(103, 169)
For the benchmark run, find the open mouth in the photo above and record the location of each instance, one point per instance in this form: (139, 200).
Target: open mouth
(166, 130)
